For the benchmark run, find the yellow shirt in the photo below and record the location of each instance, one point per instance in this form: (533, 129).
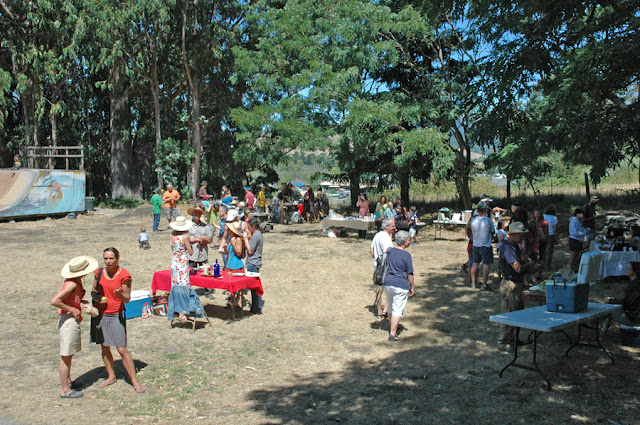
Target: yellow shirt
(262, 202)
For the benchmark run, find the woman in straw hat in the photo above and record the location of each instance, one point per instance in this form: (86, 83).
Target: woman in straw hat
(235, 251)
(111, 290)
(69, 300)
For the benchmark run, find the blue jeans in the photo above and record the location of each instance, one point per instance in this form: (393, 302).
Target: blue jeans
(156, 222)
(256, 300)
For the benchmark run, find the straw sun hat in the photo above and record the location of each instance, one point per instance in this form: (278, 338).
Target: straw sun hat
(235, 227)
(195, 210)
(79, 266)
(181, 224)
(517, 227)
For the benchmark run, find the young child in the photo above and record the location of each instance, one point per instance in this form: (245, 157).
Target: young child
(143, 238)
(413, 223)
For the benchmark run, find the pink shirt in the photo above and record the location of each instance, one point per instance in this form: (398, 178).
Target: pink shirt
(364, 207)
(251, 198)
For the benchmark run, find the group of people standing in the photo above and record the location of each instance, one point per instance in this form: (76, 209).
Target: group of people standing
(110, 291)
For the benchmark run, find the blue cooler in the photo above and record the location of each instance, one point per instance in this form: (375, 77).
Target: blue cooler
(138, 300)
(567, 297)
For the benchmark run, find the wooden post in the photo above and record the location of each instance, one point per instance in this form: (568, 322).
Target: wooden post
(586, 186)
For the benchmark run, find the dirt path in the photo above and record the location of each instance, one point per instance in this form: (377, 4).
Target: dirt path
(317, 354)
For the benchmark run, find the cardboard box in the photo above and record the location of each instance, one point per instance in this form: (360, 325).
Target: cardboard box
(138, 299)
(567, 297)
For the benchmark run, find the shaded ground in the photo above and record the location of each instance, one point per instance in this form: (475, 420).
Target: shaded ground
(316, 355)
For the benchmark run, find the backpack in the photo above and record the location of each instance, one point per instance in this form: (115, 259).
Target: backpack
(382, 266)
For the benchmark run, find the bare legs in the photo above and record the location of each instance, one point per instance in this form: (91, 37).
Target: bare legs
(474, 274)
(65, 374)
(394, 321)
(127, 361)
(378, 304)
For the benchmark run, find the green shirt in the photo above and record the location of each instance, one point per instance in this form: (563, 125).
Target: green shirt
(156, 202)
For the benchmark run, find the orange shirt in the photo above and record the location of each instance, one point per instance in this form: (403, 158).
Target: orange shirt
(106, 287)
(74, 298)
(170, 198)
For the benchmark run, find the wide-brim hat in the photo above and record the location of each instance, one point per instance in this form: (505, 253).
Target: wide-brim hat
(235, 227)
(594, 199)
(517, 227)
(195, 210)
(181, 224)
(234, 202)
(79, 266)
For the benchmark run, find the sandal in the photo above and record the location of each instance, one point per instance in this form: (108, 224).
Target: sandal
(394, 338)
(105, 384)
(139, 390)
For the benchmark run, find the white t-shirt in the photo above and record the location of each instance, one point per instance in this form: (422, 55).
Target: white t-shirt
(482, 229)
(381, 242)
(552, 221)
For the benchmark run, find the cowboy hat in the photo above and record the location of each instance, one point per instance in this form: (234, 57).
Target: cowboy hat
(235, 227)
(181, 224)
(196, 210)
(79, 266)
(594, 199)
(517, 227)
(234, 202)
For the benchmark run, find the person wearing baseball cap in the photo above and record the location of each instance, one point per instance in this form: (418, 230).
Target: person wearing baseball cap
(512, 284)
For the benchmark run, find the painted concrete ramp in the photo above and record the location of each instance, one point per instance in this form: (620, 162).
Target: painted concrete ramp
(29, 192)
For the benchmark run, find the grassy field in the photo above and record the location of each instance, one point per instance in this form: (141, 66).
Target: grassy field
(316, 355)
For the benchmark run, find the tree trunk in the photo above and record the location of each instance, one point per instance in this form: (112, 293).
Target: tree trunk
(121, 150)
(155, 92)
(54, 122)
(196, 137)
(508, 189)
(404, 188)
(462, 168)
(354, 185)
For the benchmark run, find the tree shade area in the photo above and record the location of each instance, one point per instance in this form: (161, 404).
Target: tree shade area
(165, 91)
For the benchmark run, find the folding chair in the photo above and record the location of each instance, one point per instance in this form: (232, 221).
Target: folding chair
(185, 298)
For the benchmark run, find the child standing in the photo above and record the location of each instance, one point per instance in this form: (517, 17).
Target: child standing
(413, 223)
(143, 238)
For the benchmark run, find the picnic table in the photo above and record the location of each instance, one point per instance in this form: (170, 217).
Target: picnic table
(440, 223)
(348, 223)
(162, 282)
(539, 320)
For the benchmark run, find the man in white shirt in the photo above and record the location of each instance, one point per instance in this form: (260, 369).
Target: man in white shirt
(381, 243)
(482, 229)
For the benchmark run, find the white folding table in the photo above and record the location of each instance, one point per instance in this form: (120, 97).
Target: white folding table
(539, 320)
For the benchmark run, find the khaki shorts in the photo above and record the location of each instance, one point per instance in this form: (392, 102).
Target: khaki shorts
(69, 330)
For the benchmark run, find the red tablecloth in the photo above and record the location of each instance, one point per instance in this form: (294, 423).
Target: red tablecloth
(162, 282)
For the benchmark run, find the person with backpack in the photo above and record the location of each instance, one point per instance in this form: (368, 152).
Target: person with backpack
(381, 243)
(398, 282)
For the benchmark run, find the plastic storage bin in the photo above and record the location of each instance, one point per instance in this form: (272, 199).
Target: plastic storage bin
(567, 297)
(138, 299)
(630, 336)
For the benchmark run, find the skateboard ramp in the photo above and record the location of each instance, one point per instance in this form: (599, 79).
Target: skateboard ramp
(29, 192)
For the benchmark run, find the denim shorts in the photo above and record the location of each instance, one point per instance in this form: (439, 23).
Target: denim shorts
(482, 254)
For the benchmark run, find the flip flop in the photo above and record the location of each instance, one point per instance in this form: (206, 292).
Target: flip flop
(105, 384)
(73, 394)
(394, 338)
(139, 390)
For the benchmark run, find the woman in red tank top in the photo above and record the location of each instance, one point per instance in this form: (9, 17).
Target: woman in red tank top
(111, 290)
(69, 301)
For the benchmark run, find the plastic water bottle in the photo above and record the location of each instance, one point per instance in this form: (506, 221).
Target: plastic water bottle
(216, 269)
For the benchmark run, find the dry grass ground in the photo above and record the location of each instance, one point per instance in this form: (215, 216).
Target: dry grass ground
(316, 355)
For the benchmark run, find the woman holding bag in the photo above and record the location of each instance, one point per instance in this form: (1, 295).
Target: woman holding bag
(111, 290)
(69, 300)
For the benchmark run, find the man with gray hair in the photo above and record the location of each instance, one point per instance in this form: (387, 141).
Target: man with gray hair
(380, 244)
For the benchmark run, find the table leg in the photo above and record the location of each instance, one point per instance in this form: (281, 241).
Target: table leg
(598, 343)
(534, 367)
(233, 307)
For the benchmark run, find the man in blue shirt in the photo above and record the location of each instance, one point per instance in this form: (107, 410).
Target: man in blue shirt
(511, 287)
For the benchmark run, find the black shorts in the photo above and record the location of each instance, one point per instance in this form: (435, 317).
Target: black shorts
(575, 245)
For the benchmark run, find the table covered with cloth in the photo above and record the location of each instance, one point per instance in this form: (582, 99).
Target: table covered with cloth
(162, 282)
(614, 263)
(347, 222)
